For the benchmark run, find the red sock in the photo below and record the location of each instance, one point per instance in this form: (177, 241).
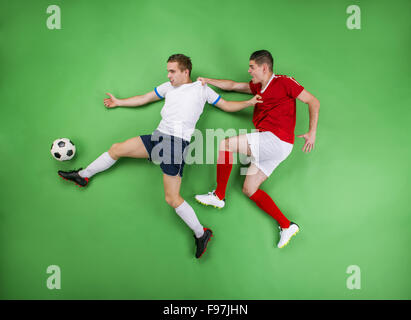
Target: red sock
(224, 166)
(264, 201)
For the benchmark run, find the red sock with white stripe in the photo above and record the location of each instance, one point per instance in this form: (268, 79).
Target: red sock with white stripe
(264, 201)
(224, 166)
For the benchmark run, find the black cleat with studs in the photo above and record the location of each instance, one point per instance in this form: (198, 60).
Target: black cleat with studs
(202, 242)
(74, 176)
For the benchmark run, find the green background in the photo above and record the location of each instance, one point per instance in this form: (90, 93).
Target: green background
(117, 238)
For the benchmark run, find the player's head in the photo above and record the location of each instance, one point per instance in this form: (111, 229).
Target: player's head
(178, 69)
(261, 64)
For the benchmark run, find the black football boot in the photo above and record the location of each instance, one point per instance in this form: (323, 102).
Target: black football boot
(202, 242)
(74, 176)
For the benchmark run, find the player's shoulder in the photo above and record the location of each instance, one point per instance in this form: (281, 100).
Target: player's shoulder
(198, 83)
(162, 89)
(204, 87)
(286, 78)
(165, 86)
(167, 83)
(283, 76)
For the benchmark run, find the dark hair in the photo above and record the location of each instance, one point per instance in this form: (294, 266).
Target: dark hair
(263, 56)
(184, 62)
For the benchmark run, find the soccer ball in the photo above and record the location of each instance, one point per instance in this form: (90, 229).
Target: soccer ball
(63, 149)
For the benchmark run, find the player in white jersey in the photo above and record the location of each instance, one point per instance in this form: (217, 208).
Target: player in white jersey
(184, 103)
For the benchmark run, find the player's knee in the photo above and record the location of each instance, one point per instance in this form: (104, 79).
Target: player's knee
(172, 201)
(224, 145)
(248, 190)
(115, 151)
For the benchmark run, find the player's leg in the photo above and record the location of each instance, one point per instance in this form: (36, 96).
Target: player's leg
(227, 147)
(237, 144)
(186, 212)
(251, 188)
(132, 148)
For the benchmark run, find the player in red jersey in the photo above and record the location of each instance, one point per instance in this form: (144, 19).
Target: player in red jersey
(275, 119)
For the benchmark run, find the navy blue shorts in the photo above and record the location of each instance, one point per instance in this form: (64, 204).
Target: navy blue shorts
(167, 151)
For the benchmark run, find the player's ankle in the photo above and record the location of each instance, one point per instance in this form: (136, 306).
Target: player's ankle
(219, 197)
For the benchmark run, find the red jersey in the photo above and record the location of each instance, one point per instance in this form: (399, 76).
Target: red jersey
(277, 113)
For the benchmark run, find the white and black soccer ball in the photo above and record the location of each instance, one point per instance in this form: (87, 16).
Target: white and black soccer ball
(63, 149)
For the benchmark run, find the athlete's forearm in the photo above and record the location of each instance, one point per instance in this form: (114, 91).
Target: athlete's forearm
(314, 109)
(234, 106)
(135, 101)
(227, 85)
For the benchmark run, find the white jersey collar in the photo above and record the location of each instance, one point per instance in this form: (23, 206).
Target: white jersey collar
(268, 83)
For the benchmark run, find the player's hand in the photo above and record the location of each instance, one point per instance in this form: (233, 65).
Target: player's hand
(256, 99)
(309, 141)
(111, 102)
(203, 80)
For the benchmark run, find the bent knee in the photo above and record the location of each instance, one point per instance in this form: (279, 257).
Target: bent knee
(115, 151)
(225, 145)
(115, 147)
(173, 201)
(249, 190)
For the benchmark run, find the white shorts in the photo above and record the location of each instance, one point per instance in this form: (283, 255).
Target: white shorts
(267, 150)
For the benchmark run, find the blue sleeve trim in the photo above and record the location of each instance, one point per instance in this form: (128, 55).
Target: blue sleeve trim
(158, 95)
(219, 97)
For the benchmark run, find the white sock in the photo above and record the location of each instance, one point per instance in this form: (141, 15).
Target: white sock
(100, 164)
(188, 215)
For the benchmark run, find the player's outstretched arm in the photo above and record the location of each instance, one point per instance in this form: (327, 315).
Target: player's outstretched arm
(314, 109)
(135, 101)
(227, 85)
(233, 106)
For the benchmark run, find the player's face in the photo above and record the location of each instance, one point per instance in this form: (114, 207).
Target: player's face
(175, 75)
(255, 71)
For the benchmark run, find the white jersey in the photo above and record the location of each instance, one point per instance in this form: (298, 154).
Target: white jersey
(183, 106)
